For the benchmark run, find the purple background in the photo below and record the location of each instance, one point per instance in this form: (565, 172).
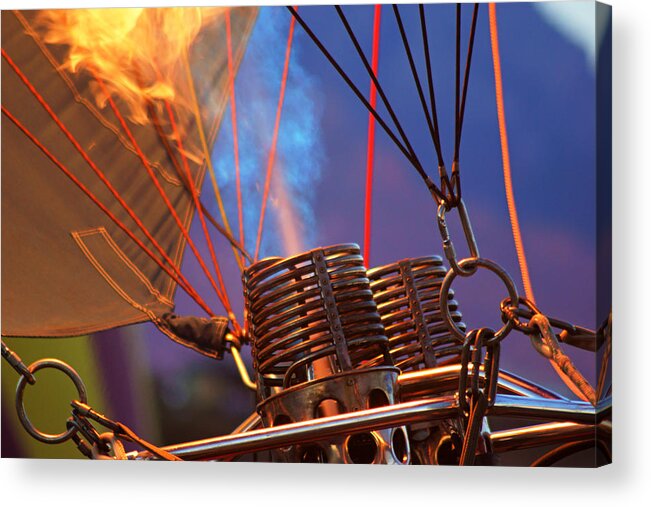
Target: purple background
(550, 105)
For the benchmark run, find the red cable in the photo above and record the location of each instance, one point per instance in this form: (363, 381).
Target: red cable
(195, 196)
(156, 182)
(274, 139)
(85, 156)
(236, 150)
(370, 147)
(180, 280)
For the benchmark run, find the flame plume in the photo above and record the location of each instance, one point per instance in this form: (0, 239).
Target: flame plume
(137, 52)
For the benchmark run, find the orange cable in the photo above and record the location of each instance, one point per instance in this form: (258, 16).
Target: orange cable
(236, 150)
(173, 273)
(153, 177)
(272, 150)
(206, 151)
(195, 196)
(506, 161)
(86, 158)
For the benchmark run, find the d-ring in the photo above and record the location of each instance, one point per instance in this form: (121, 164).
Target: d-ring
(20, 393)
(473, 263)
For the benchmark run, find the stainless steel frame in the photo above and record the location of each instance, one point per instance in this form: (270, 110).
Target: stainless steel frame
(579, 419)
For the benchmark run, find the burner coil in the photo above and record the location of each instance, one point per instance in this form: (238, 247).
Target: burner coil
(310, 316)
(407, 296)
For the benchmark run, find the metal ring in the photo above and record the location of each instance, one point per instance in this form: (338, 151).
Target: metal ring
(447, 282)
(20, 393)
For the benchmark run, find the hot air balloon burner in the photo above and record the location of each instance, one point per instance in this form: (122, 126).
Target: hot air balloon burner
(341, 393)
(311, 316)
(407, 294)
(316, 337)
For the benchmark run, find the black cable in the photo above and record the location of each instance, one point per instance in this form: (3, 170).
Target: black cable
(434, 190)
(350, 83)
(457, 65)
(414, 71)
(461, 111)
(443, 173)
(430, 83)
(186, 185)
(376, 82)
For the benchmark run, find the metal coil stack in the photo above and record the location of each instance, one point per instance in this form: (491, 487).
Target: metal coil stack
(310, 316)
(319, 350)
(407, 296)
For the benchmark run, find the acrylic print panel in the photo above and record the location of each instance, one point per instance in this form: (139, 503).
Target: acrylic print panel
(361, 235)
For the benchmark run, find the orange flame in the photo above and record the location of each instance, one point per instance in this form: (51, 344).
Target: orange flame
(290, 223)
(138, 53)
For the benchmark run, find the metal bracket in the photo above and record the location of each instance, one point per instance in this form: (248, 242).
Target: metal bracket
(416, 314)
(332, 314)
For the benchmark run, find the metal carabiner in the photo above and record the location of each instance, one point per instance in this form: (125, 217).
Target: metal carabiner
(476, 341)
(448, 246)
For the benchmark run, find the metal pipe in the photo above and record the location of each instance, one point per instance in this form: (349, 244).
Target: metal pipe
(253, 422)
(241, 368)
(445, 379)
(544, 434)
(372, 419)
(316, 429)
(526, 386)
(539, 408)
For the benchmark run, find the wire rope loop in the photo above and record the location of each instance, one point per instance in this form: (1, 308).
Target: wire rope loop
(512, 312)
(474, 263)
(20, 406)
